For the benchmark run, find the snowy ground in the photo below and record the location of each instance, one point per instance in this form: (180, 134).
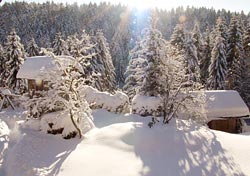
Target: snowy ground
(123, 145)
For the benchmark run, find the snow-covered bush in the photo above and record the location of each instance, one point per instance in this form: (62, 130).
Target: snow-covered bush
(146, 106)
(119, 102)
(63, 95)
(60, 123)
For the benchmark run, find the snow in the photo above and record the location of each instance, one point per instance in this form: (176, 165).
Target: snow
(218, 104)
(145, 105)
(119, 102)
(62, 120)
(4, 139)
(225, 103)
(35, 67)
(124, 145)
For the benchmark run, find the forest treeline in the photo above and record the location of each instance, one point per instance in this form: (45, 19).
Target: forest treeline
(120, 24)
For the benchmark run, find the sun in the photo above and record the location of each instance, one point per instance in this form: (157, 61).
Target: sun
(141, 4)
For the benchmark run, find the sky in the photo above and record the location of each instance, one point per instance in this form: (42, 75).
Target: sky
(232, 5)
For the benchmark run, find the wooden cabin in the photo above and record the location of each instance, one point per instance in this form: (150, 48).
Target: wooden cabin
(34, 68)
(224, 109)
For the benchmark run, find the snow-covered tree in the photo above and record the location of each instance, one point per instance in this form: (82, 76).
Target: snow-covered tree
(182, 45)
(74, 46)
(246, 44)
(32, 48)
(135, 71)
(178, 37)
(59, 45)
(197, 40)
(218, 66)
(102, 63)
(153, 51)
(178, 98)
(220, 29)
(64, 95)
(134, 76)
(14, 55)
(235, 55)
(191, 61)
(205, 58)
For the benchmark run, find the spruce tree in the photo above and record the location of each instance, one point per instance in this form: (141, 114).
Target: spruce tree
(246, 47)
(205, 58)
(221, 28)
(14, 53)
(183, 48)
(234, 55)
(154, 52)
(178, 37)
(191, 61)
(197, 40)
(32, 48)
(2, 61)
(218, 66)
(59, 45)
(134, 76)
(135, 71)
(103, 64)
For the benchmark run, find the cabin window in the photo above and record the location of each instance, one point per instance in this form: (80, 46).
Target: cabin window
(39, 84)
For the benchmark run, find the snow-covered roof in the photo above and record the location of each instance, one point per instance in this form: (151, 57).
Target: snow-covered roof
(35, 67)
(224, 103)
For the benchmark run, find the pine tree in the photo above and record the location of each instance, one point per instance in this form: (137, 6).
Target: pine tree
(178, 37)
(2, 61)
(197, 40)
(134, 76)
(103, 63)
(205, 58)
(221, 28)
(182, 47)
(135, 71)
(59, 45)
(153, 51)
(246, 47)
(32, 48)
(191, 61)
(234, 55)
(14, 53)
(218, 66)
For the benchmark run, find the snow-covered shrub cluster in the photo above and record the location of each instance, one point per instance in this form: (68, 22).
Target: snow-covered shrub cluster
(119, 102)
(63, 95)
(146, 106)
(60, 123)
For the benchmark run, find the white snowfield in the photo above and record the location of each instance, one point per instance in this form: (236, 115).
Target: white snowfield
(123, 145)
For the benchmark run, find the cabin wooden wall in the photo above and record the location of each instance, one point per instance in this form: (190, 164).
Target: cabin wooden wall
(230, 125)
(32, 85)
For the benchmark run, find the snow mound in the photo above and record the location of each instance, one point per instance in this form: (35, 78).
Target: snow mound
(145, 105)
(119, 102)
(60, 123)
(180, 148)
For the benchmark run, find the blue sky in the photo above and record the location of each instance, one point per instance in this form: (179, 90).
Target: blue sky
(232, 5)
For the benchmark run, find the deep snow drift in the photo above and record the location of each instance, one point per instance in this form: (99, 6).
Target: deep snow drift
(123, 145)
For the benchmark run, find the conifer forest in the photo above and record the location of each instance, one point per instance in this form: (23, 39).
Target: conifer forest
(123, 47)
